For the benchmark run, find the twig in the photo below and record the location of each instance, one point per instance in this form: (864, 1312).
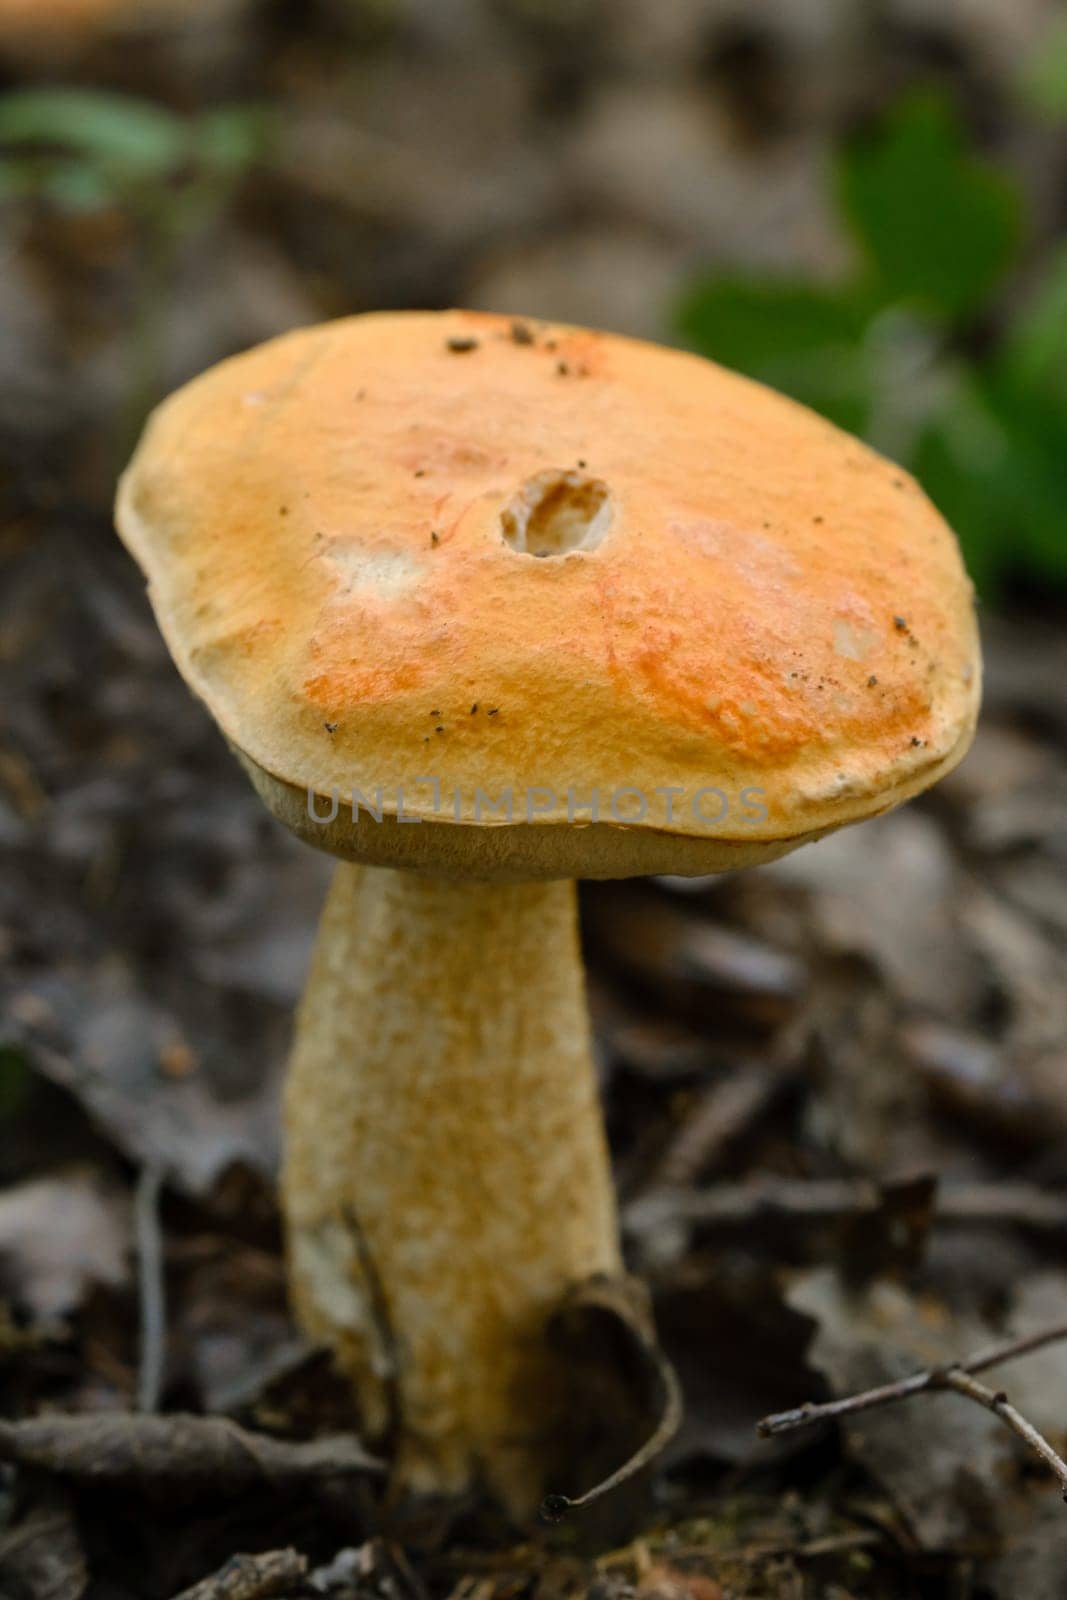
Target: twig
(889, 1393)
(152, 1290)
(832, 1544)
(210, 1453)
(251, 1577)
(723, 1112)
(996, 1400)
(757, 1550)
(958, 1376)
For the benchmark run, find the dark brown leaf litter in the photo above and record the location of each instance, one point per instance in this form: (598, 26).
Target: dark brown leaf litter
(697, 970)
(110, 1048)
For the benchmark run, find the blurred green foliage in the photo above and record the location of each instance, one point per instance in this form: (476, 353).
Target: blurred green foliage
(82, 150)
(899, 352)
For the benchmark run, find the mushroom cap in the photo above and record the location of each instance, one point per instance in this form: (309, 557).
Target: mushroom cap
(442, 558)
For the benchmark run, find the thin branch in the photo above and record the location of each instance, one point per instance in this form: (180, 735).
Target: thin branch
(722, 1114)
(152, 1290)
(959, 1377)
(757, 1550)
(996, 1400)
(194, 1453)
(889, 1393)
(831, 1545)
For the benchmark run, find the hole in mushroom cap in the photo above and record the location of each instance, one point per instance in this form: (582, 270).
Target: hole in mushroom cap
(557, 512)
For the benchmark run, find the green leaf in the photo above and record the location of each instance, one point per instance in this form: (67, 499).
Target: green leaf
(960, 462)
(800, 338)
(229, 141)
(118, 131)
(71, 186)
(1034, 477)
(1034, 354)
(937, 225)
(757, 323)
(995, 463)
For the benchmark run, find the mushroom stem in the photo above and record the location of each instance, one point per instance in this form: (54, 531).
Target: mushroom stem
(447, 1177)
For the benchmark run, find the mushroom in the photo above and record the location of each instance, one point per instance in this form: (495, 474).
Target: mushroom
(484, 607)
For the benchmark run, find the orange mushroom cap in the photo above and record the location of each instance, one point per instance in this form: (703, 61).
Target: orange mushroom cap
(506, 556)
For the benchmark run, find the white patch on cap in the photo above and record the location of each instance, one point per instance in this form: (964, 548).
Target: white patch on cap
(855, 644)
(390, 573)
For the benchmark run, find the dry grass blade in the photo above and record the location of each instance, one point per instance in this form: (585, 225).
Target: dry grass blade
(625, 1301)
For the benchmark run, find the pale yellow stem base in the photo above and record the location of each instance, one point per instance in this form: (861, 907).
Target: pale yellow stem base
(447, 1178)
